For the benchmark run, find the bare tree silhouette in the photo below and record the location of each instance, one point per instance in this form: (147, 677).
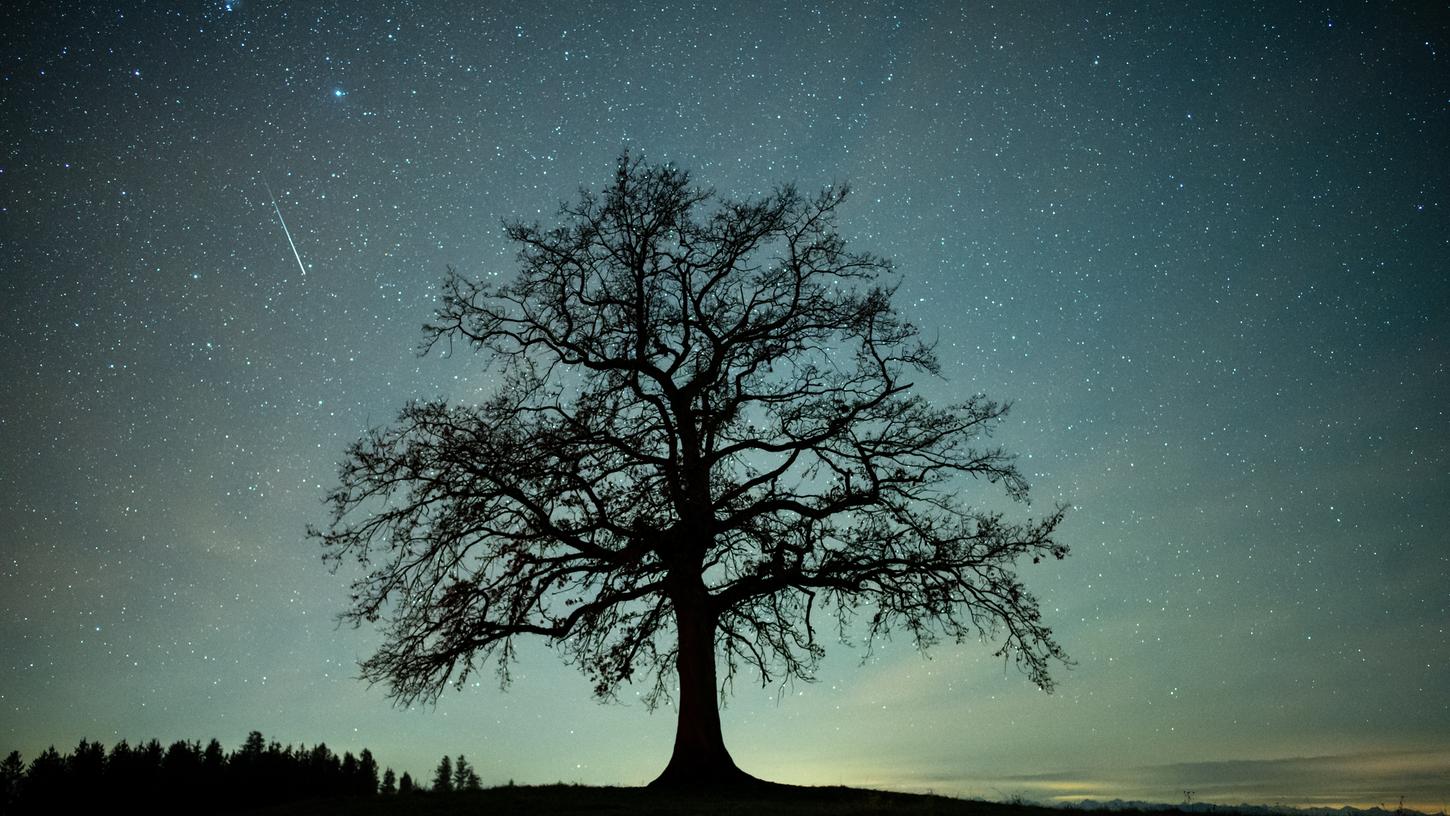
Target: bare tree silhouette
(704, 439)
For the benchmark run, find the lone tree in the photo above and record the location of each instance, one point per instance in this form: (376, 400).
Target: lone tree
(704, 440)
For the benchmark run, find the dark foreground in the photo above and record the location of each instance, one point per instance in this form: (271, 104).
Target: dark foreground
(572, 800)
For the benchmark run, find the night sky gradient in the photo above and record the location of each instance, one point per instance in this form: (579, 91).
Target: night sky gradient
(1202, 248)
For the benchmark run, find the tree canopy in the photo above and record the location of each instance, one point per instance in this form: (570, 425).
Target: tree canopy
(704, 443)
(184, 777)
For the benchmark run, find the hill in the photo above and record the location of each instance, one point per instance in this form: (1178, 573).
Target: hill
(578, 800)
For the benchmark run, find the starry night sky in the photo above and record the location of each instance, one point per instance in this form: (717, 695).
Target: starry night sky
(1202, 247)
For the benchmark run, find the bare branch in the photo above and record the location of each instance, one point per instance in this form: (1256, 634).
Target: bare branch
(705, 421)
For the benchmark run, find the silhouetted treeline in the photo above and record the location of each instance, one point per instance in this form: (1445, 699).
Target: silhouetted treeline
(185, 776)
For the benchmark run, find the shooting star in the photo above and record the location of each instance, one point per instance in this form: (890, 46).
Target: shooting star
(285, 231)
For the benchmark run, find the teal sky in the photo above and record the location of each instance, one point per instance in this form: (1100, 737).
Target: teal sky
(1201, 247)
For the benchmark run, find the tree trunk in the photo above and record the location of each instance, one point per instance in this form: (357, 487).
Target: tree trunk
(699, 759)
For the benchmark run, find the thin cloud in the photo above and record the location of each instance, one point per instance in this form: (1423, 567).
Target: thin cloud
(1358, 780)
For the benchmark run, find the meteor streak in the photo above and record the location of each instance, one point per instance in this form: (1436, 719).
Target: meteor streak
(285, 231)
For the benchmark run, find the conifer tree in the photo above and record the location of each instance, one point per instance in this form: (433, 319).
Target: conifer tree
(443, 776)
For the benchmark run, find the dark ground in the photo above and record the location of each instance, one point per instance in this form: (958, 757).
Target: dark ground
(570, 800)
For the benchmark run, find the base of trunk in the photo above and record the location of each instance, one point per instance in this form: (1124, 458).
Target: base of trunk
(704, 773)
